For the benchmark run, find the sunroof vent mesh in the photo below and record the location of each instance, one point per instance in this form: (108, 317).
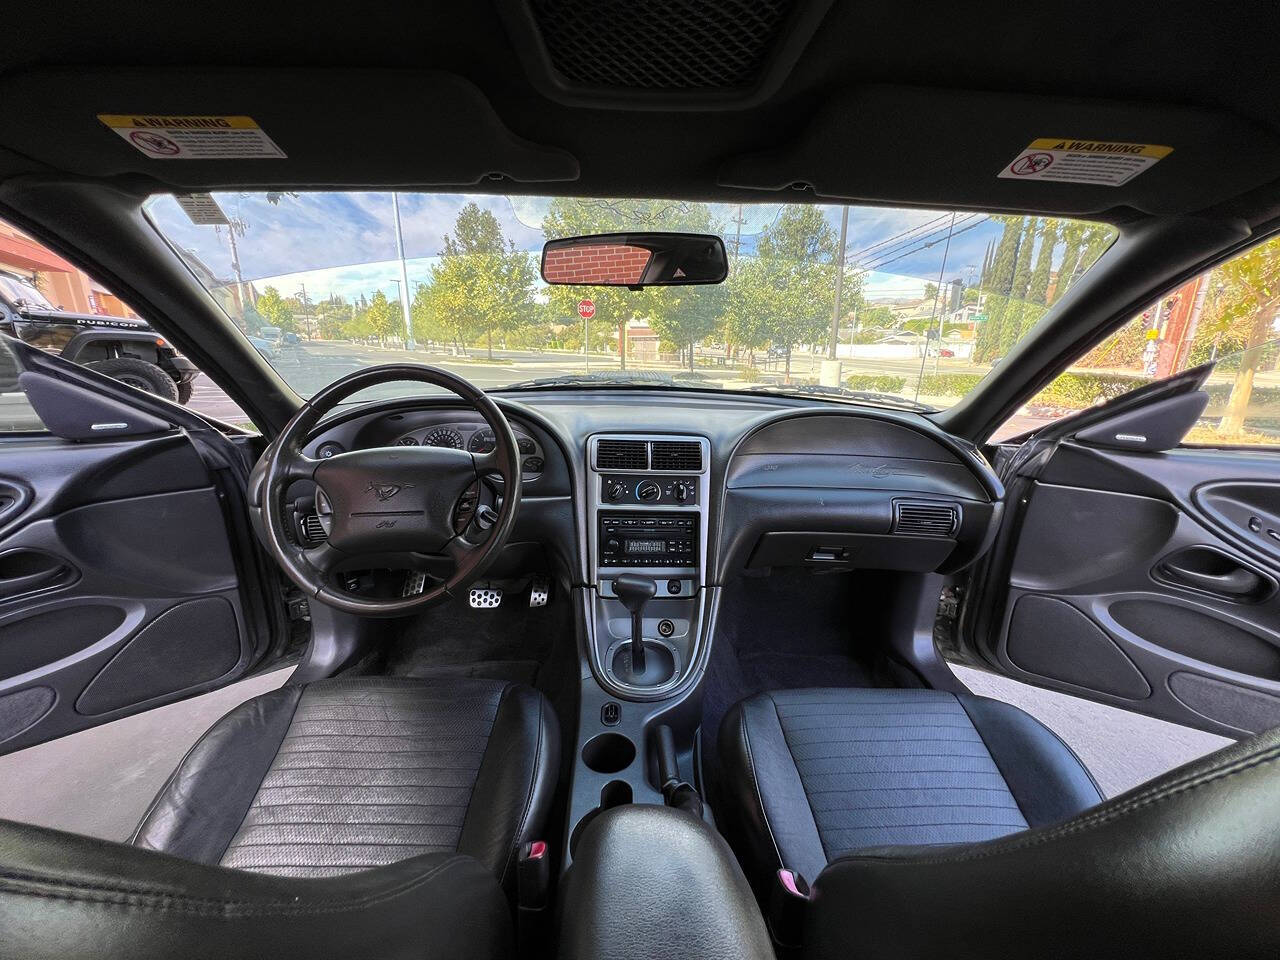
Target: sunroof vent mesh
(660, 44)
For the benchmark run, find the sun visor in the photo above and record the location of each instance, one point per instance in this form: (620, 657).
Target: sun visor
(997, 151)
(194, 129)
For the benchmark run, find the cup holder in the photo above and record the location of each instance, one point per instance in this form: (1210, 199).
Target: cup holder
(609, 753)
(614, 794)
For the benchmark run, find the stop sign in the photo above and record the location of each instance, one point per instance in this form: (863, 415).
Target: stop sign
(586, 309)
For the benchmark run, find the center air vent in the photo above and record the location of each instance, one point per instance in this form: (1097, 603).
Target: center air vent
(683, 455)
(622, 455)
(925, 519)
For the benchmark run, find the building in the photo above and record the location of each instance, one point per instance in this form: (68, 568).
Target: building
(61, 282)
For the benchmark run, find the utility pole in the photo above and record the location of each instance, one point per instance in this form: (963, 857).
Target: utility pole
(835, 313)
(737, 236)
(941, 272)
(409, 343)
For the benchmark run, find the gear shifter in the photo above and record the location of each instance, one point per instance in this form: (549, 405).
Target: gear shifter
(634, 592)
(638, 663)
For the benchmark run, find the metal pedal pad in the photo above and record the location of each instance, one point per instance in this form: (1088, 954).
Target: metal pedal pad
(415, 582)
(539, 591)
(484, 598)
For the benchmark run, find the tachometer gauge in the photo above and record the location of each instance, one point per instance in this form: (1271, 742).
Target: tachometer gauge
(483, 441)
(443, 437)
(406, 442)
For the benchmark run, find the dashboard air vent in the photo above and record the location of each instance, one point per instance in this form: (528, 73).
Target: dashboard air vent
(313, 529)
(622, 455)
(923, 519)
(677, 455)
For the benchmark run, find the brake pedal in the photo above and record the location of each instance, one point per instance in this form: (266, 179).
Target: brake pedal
(484, 598)
(539, 591)
(414, 583)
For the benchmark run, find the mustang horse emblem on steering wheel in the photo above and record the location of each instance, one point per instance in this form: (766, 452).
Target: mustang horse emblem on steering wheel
(385, 491)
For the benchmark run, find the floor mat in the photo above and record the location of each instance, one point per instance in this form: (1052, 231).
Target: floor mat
(512, 671)
(792, 629)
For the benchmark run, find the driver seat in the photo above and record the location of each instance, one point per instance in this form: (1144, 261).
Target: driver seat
(370, 817)
(349, 774)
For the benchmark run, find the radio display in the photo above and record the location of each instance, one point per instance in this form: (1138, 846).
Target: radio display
(646, 546)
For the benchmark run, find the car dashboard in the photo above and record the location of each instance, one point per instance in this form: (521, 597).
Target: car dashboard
(694, 488)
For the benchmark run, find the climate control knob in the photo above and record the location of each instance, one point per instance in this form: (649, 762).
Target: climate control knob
(616, 490)
(681, 492)
(648, 491)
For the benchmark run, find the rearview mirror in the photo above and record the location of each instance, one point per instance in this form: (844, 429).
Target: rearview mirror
(635, 260)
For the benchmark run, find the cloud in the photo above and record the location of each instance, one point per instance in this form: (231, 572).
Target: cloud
(345, 239)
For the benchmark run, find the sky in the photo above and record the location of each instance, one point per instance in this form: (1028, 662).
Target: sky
(344, 243)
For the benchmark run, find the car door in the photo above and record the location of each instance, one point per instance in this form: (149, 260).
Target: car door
(129, 576)
(1136, 571)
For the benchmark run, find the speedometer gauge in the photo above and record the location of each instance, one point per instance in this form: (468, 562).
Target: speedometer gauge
(443, 437)
(483, 441)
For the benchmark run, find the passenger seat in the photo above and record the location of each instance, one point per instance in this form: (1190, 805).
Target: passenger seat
(817, 773)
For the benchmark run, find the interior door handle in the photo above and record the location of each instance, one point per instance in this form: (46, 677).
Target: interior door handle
(12, 586)
(23, 571)
(1234, 583)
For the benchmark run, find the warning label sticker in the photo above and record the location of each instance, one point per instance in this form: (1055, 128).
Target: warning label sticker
(193, 138)
(202, 209)
(1100, 162)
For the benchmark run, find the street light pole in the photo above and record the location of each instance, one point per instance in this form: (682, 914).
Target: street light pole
(835, 312)
(404, 276)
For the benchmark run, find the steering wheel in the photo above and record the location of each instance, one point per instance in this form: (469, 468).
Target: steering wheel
(410, 507)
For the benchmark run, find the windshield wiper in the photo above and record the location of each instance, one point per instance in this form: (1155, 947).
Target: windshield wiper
(641, 378)
(858, 396)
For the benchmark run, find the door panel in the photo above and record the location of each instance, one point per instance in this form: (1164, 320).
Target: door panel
(1145, 579)
(125, 579)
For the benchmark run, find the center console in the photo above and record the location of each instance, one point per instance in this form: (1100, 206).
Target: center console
(647, 503)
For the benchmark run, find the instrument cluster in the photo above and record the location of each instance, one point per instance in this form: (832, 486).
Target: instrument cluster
(476, 438)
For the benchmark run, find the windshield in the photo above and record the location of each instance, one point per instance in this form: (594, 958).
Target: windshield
(869, 304)
(22, 293)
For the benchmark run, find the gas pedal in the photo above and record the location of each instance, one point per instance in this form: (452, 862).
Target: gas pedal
(539, 592)
(484, 598)
(415, 582)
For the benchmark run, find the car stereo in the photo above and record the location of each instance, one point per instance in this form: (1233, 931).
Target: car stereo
(653, 540)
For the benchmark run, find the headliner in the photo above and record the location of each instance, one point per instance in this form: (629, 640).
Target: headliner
(894, 103)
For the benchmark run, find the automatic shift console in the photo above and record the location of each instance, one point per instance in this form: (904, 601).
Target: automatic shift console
(648, 496)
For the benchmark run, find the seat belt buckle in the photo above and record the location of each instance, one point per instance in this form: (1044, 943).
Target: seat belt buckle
(533, 892)
(788, 902)
(533, 875)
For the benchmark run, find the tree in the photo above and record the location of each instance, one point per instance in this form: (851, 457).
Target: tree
(786, 295)
(380, 317)
(687, 315)
(482, 285)
(1247, 307)
(618, 306)
(930, 291)
(998, 284)
(333, 317)
(275, 310)
(1011, 325)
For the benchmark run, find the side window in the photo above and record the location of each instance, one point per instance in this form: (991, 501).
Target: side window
(46, 302)
(1229, 315)
(16, 415)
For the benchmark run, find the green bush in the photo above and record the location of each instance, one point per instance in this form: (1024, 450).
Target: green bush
(876, 383)
(749, 374)
(1080, 390)
(948, 384)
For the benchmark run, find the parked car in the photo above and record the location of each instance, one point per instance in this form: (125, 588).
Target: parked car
(124, 348)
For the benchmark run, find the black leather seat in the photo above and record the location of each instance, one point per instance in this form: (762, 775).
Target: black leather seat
(817, 774)
(390, 812)
(345, 775)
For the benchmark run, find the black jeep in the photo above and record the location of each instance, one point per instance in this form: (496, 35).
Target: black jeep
(120, 347)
